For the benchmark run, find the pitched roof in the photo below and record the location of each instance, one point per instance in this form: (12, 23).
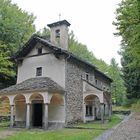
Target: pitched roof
(55, 49)
(62, 22)
(33, 84)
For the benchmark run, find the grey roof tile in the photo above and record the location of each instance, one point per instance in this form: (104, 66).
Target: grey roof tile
(33, 84)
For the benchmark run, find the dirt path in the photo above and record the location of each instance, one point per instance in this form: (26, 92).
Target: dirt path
(129, 129)
(7, 133)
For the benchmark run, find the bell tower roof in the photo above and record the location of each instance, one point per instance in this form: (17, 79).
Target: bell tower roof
(59, 23)
(59, 33)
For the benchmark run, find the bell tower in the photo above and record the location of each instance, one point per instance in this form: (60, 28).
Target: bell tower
(59, 33)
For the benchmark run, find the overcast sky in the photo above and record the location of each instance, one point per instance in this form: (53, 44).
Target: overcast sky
(91, 21)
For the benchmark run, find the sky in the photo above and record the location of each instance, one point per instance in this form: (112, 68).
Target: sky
(91, 21)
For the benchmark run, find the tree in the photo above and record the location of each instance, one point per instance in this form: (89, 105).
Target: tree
(81, 50)
(45, 33)
(128, 26)
(5, 64)
(118, 88)
(16, 26)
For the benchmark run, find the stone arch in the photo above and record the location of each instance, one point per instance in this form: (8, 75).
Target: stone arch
(56, 109)
(4, 97)
(92, 107)
(57, 99)
(91, 98)
(19, 97)
(20, 110)
(36, 97)
(100, 96)
(4, 106)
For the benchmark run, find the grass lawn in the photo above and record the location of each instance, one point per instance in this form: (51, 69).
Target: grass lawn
(120, 108)
(1, 128)
(66, 134)
(136, 107)
(114, 120)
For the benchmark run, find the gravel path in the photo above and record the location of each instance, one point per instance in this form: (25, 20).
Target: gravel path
(129, 129)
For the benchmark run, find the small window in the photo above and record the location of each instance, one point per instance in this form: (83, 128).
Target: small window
(39, 71)
(87, 76)
(39, 50)
(89, 110)
(96, 81)
(57, 33)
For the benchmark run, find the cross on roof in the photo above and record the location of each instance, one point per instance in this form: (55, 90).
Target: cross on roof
(59, 17)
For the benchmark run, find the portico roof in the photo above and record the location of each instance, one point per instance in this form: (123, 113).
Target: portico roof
(33, 85)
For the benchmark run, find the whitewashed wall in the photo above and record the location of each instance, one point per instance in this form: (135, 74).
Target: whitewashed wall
(51, 67)
(20, 112)
(56, 113)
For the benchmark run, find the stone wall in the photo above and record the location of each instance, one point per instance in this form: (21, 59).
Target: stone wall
(74, 90)
(74, 93)
(20, 124)
(104, 80)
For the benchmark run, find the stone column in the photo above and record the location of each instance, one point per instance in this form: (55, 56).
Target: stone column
(45, 116)
(102, 112)
(12, 116)
(93, 111)
(28, 116)
(109, 111)
(84, 112)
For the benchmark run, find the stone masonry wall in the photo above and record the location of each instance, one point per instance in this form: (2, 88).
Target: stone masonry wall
(74, 91)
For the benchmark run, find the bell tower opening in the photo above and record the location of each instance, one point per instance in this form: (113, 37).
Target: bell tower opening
(59, 33)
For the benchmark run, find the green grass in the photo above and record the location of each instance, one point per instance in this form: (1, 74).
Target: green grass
(66, 134)
(136, 107)
(2, 128)
(120, 108)
(114, 120)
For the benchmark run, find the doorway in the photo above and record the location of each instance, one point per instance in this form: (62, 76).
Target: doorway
(37, 114)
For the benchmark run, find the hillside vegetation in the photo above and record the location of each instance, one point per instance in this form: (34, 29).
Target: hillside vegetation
(17, 26)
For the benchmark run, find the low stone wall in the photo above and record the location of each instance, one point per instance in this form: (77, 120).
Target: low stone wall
(20, 124)
(122, 112)
(57, 125)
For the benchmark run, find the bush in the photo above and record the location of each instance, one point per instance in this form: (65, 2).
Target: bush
(129, 102)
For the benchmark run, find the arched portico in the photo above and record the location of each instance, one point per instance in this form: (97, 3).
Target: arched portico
(20, 110)
(37, 107)
(30, 96)
(4, 105)
(56, 109)
(91, 107)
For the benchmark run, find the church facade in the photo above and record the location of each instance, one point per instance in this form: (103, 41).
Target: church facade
(55, 87)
